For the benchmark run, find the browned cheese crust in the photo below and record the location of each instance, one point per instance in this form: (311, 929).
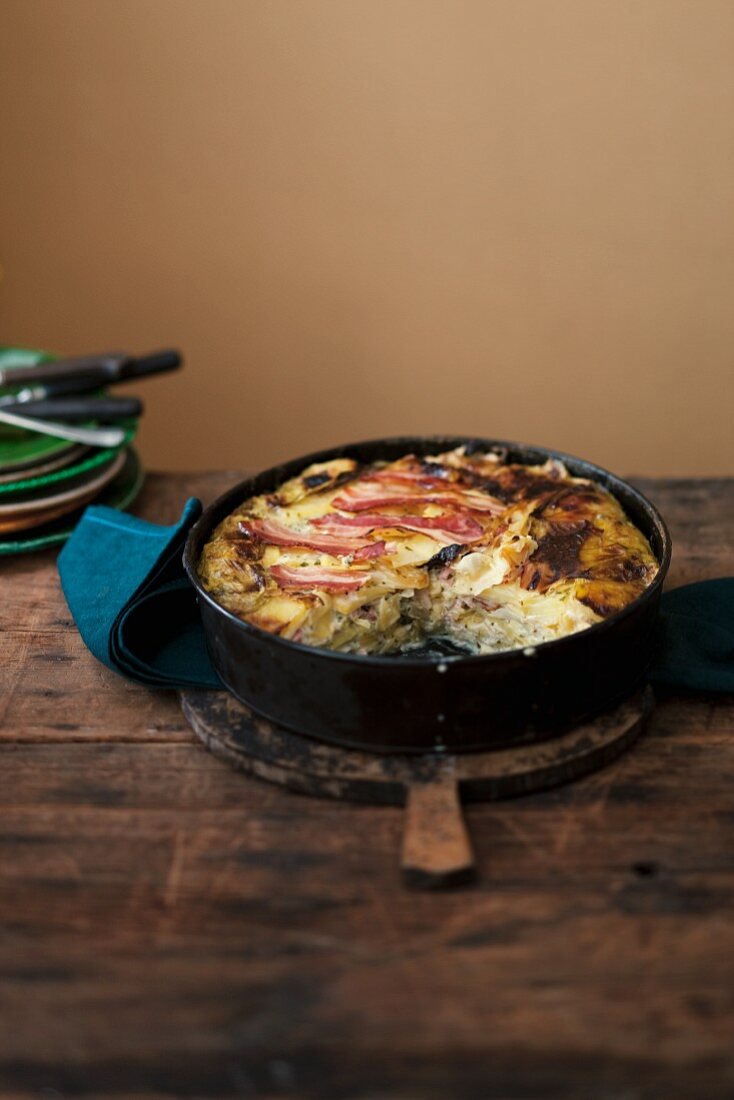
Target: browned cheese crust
(468, 548)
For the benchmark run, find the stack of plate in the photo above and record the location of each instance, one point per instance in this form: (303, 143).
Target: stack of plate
(45, 483)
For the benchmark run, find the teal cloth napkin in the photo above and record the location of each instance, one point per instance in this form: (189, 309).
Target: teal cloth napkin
(695, 642)
(136, 610)
(131, 600)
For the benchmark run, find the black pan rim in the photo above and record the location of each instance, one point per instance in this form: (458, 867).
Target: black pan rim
(395, 662)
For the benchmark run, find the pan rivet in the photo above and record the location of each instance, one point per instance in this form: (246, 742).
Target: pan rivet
(440, 717)
(529, 651)
(441, 668)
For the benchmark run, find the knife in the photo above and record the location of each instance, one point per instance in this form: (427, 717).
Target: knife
(93, 437)
(101, 370)
(69, 409)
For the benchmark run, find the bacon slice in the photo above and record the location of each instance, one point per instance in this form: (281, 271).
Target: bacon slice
(370, 550)
(366, 495)
(412, 476)
(448, 528)
(277, 534)
(336, 580)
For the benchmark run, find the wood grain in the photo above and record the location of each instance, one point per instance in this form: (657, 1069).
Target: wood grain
(436, 847)
(171, 929)
(436, 851)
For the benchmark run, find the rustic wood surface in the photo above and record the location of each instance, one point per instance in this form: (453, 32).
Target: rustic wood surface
(170, 928)
(437, 852)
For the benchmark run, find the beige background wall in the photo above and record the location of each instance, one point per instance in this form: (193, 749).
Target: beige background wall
(358, 217)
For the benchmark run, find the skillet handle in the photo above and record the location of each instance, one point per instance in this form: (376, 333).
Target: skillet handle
(437, 851)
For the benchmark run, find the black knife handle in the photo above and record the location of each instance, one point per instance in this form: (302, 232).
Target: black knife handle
(106, 365)
(112, 366)
(157, 363)
(60, 387)
(97, 379)
(102, 409)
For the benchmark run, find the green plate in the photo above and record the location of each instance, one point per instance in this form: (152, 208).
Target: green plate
(48, 466)
(21, 449)
(98, 457)
(120, 493)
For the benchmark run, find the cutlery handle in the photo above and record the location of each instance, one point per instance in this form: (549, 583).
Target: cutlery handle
(159, 362)
(102, 367)
(113, 366)
(60, 387)
(90, 408)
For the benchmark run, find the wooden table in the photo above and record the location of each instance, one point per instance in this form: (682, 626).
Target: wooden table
(170, 928)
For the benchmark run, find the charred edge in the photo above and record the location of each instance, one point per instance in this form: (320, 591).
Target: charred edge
(255, 575)
(513, 484)
(444, 556)
(434, 469)
(494, 488)
(557, 555)
(574, 498)
(475, 447)
(347, 475)
(327, 481)
(547, 491)
(601, 607)
(246, 544)
(313, 481)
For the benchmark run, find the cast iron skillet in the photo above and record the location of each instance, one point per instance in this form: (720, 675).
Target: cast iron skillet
(433, 701)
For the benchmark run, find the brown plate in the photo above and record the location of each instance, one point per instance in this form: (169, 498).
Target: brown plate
(44, 468)
(120, 493)
(32, 513)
